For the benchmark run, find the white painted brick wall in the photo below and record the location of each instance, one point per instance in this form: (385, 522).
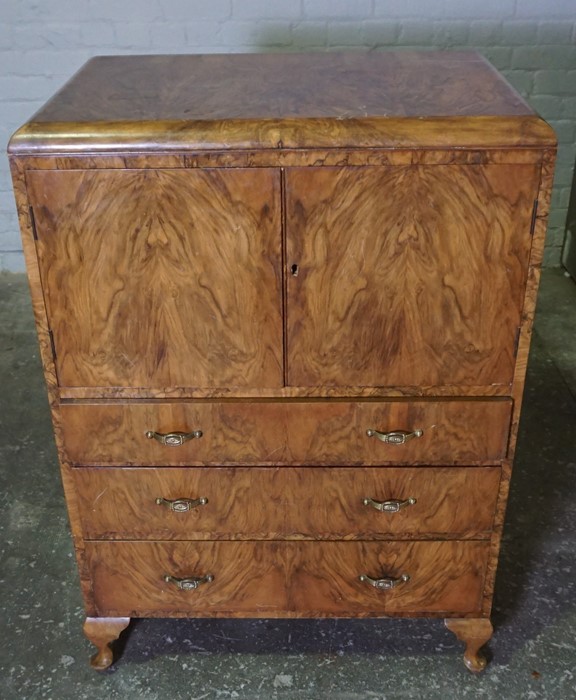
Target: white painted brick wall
(533, 42)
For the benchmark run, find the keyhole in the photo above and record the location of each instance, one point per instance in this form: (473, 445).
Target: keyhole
(294, 270)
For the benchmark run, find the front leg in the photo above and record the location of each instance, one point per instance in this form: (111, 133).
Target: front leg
(102, 631)
(474, 632)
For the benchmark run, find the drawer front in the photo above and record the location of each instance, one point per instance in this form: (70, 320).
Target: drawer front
(289, 433)
(278, 579)
(267, 503)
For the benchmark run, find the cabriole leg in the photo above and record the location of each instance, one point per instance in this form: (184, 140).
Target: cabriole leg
(102, 631)
(474, 633)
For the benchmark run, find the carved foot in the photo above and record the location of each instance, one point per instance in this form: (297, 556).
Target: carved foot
(102, 631)
(474, 633)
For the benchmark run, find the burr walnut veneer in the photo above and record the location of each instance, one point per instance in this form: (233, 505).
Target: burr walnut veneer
(284, 305)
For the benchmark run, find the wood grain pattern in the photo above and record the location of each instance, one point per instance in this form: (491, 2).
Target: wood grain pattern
(33, 272)
(161, 278)
(435, 151)
(285, 579)
(289, 433)
(48, 366)
(306, 503)
(310, 392)
(129, 103)
(102, 631)
(289, 85)
(531, 292)
(285, 157)
(392, 264)
(65, 138)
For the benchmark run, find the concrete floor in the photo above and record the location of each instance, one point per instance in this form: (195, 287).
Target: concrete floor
(43, 653)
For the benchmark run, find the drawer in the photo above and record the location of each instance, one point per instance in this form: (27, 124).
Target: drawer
(268, 503)
(283, 579)
(326, 432)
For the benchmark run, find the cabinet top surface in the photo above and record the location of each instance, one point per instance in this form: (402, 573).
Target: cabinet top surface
(288, 100)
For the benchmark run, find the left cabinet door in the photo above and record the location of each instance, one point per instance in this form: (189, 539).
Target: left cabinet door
(162, 278)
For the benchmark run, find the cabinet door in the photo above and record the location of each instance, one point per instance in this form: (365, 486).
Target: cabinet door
(406, 276)
(162, 278)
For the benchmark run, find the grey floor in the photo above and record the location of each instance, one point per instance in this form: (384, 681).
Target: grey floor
(533, 652)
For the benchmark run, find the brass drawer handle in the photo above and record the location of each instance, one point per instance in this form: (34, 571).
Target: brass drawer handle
(181, 505)
(394, 437)
(173, 439)
(188, 584)
(384, 584)
(392, 506)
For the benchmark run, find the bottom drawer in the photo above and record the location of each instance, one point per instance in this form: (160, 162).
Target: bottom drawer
(286, 579)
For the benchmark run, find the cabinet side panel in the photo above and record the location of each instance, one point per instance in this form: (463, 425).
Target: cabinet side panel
(33, 272)
(38, 305)
(539, 226)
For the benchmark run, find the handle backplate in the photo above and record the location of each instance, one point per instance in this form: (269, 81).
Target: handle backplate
(190, 583)
(395, 437)
(391, 506)
(173, 439)
(384, 584)
(181, 505)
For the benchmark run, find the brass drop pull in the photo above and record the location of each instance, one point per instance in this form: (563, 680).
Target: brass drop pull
(392, 506)
(181, 505)
(395, 437)
(384, 584)
(173, 439)
(188, 584)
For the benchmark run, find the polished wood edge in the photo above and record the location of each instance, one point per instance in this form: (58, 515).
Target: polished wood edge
(495, 392)
(141, 136)
(102, 631)
(473, 536)
(294, 397)
(313, 157)
(284, 615)
(297, 398)
(474, 633)
(280, 465)
(253, 468)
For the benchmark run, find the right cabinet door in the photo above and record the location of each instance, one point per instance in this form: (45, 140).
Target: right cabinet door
(406, 275)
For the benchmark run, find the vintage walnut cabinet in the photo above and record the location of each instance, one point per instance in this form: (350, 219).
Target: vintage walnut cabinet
(284, 305)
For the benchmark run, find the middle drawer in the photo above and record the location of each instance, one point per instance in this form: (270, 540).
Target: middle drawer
(291, 433)
(288, 503)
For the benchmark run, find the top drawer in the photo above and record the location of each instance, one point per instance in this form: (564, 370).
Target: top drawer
(286, 433)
